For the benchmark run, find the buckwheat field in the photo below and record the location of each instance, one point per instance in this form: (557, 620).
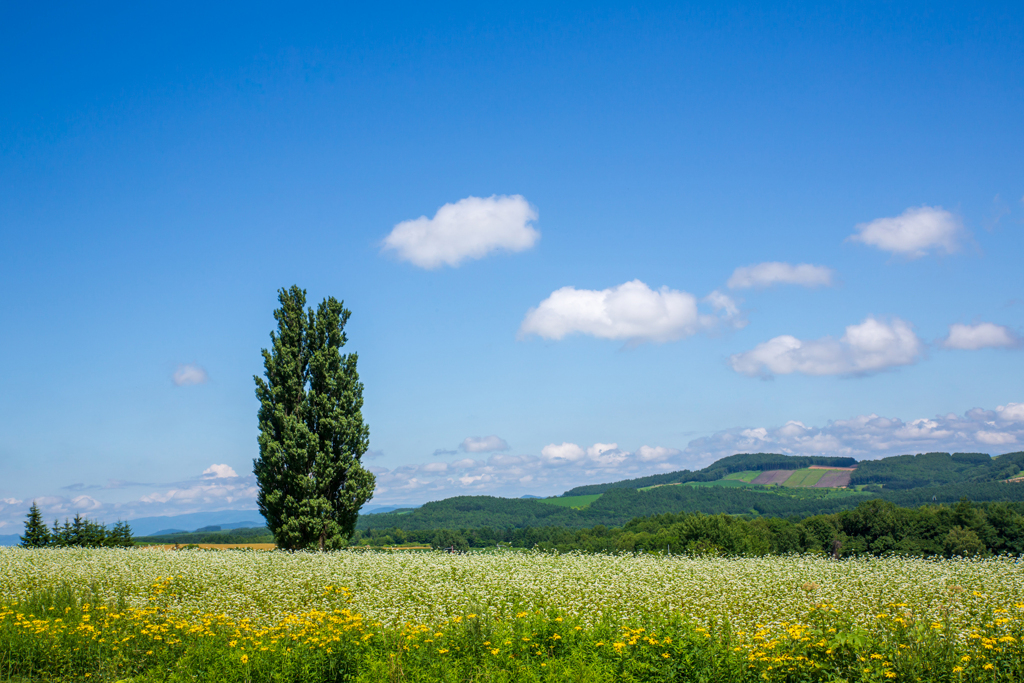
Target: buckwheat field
(75, 614)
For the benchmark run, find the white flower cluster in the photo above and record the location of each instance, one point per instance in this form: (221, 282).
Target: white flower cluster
(426, 587)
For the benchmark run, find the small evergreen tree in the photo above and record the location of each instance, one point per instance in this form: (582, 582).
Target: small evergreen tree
(57, 536)
(95, 534)
(36, 533)
(120, 536)
(77, 537)
(312, 436)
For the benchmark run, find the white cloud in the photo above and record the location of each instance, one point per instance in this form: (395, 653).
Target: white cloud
(873, 436)
(871, 346)
(187, 375)
(655, 453)
(914, 233)
(219, 472)
(630, 311)
(204, 495)
(606, 455)
(726, 307)
(483, 444)
(980, 336)
(995, 438)
(771, 273)
(471, 228)
(86, 503)
(559, 467)
(562, 454)
(1011, 412)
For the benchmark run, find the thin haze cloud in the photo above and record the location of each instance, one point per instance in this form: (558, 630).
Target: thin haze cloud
(484, 444)
(186, 375)
(765, 275)
(471, 228)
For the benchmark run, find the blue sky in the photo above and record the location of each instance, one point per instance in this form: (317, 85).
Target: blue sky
(164, 170)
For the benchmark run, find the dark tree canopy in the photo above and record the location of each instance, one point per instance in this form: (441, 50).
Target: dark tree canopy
(81, 532)
(312, 436)
(36, 533)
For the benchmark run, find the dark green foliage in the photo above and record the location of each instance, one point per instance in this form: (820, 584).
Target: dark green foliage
(252, 535)
(874, 527)
(620, 504)
(937, 469)
(614, 508)
(740, 462)
(120, 536)
(446, 539)
(80, 532)
(312, 436)
(993, 491)
(36, 533)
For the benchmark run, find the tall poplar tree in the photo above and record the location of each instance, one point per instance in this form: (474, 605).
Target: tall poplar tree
(312, 436)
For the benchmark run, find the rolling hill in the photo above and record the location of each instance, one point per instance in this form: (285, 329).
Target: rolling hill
(758, 484)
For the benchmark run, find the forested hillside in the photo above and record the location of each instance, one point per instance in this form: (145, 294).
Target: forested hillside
(614, 508)
(937, 469)
(874, 527)
(908, 480)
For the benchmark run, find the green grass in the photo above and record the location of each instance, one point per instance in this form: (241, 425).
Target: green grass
(747, 476)
(727, 483)
(804, 478)
(578, 502)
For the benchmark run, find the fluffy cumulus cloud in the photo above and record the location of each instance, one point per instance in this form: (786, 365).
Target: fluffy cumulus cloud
(914, 233)
(483, 444)
(187, 375)
(562, 454)
(980, 336)
(871, 346)
(219, 472)
(471, 228)
(1011, 412)
(772, 273)
(873, 436)
(631, 311)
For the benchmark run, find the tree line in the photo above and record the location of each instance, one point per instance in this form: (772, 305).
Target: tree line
(242, 535)
(875, 527)
(79, 532)
(904, 472)
(615, 508)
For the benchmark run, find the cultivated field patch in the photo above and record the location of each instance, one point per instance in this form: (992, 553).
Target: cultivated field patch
(578, 502)
(768, 477)
(835, 478)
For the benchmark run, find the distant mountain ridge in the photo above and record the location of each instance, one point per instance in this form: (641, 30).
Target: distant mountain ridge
(895, 472)
(718, 469)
